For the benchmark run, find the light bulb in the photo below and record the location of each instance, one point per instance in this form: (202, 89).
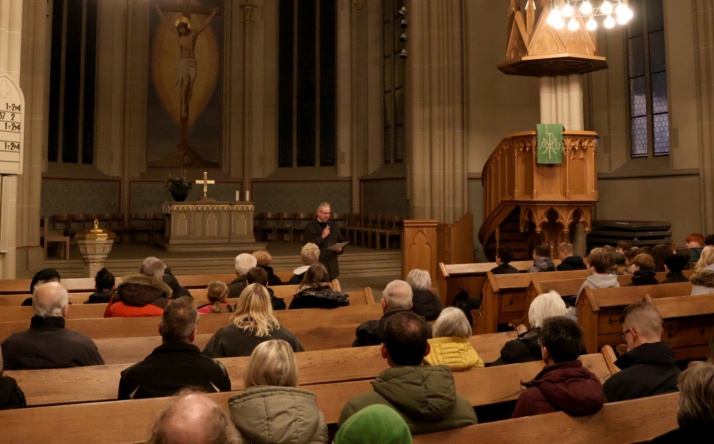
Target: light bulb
(559, 24)
(620, 9)
(606, 8)
(586, 8)
(553, 17)
(609, 22)
(622, 19)
(628, 13)
(567, 10)
(591, 25)
(573, 24)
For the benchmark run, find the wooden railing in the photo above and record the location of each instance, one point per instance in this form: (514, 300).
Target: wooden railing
(512, 178)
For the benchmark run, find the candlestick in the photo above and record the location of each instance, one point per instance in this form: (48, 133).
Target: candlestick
(247, 196)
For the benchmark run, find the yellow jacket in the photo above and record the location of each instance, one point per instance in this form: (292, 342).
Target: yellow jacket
(456, 353)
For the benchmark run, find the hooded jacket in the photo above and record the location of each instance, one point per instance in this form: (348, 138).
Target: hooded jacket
(424, 396)
(703, 282)
(139, 295)
(455, 353)
(647, 370)
(268, 414)
(572, 263)
(592, 281)
(644, 276)
(426, 304)
(542, 263)
(568, 387)
(322, 297)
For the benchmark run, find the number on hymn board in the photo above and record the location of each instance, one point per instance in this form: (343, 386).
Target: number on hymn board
(13, 107)
(12, 146)
(11, 126)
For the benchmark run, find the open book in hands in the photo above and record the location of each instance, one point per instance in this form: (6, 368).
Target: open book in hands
(337, 248)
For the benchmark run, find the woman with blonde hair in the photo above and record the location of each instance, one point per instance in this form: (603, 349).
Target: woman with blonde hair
(315, 291)
(706, 260)
(527, 346)
(450, 344)
(309, 254)
(272, 408)
(216, 293)
(252, 322)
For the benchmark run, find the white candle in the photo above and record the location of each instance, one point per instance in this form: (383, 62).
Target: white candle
(237, 196)
(247, 196)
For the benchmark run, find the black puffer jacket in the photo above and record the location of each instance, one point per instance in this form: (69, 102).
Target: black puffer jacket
(322, 297)
(647, 370)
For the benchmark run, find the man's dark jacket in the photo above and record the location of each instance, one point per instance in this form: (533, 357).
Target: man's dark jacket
(572, 263)
(504, 269)
(647, 370)
(372, 332)
(171, 367)
(328, 258)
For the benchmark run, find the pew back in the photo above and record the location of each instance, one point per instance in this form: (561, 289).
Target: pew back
(688, 323)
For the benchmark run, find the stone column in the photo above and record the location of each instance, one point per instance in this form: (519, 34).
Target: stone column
(10, 50)
(704, 65)
(561, 101)
(437, 152)
(248, 36)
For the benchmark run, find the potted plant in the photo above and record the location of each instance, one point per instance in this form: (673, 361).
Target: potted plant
(179, 187)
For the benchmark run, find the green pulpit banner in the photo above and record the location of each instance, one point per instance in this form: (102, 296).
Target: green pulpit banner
(550, 143)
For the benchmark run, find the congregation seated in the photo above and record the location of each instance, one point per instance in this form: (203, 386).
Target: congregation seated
(564, 384)
(216, 293)
(674, 264)
(375, 424)
(695, 414)
(424, 302)
(600, 263)
(194, 418)
(450, 344)
(41, 277)
(648, 368)
(504, 256)
(176, 363)
(315, 291)
(568, 260)
(272, 408)
(695, 242)
(526, 347)
(618, 258)
(142, 294)
(630, 254)
(425, 396)
(264, 259)
(396, 298)
(258, 275)
(11, 396)
(243, 263)
(541, 260)
(104, 288)
(644, 270)
(309, 254)
(47, 344)
(252, 322)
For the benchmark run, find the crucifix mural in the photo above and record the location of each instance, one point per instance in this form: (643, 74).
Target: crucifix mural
(187, 29)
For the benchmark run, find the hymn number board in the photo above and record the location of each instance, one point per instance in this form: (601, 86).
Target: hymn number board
(12, 126)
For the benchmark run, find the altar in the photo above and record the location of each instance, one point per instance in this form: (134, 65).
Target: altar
(209, 226)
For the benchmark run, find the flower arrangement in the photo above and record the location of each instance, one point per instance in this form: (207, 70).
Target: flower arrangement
(179, 184)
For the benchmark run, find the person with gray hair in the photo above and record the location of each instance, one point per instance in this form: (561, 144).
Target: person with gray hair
(425, 302)
(244, 262)
(527, 346)
(325, 233)
(176, 363)
(450, 344)
(396, 297)
(47, 343)
(192, 417)
(153, 267)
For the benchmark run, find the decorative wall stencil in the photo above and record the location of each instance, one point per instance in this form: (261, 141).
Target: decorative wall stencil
(184, 106)
(385, 197)
(296, 197)
(67, 196)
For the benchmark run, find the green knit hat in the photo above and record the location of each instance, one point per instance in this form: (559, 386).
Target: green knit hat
(376, 424)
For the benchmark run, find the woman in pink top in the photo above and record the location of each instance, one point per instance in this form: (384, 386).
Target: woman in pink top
(216, 293)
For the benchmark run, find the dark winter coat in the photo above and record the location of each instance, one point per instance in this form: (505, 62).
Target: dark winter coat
(426, 304)
(372, 332)
(644, 277)
(232, 341)
(139, 295)
(523, 349)
(169, 368)
(100, 297)
(572, 263)
(236, 287)
(673, 276)
(568, 387)
(647, 370)
(323, 297)
(11, 397)
(328, 258)
(273, 280)
(504, 269)
(688, 433)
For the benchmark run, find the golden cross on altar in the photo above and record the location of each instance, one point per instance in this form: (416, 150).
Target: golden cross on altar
(205, 182)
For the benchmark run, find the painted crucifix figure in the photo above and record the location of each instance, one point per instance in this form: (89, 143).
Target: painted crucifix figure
(186, 67)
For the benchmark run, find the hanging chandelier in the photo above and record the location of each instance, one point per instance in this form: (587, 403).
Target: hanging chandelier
(567, 12)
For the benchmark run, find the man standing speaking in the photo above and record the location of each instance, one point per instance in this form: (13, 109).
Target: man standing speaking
(326, 235)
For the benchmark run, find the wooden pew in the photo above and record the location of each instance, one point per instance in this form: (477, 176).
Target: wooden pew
(469, 277)
(100, 382)
(504, 297)
(688, 323)
(600, 309)
(637, 420)
(130, 421)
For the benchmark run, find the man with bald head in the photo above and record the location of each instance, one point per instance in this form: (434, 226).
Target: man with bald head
(648, 367)
(396, 298)
(193, 418)
(47, 344)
